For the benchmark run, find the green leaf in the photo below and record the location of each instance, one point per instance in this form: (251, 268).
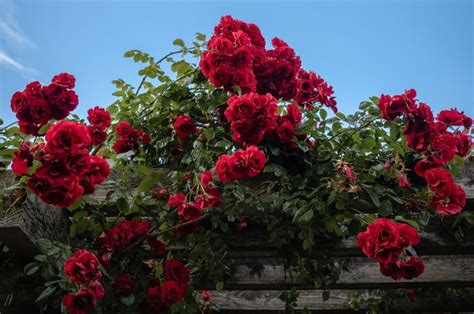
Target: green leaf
(46, 293)
(412, 223)
(385, 208)
(122, 205)
(44, 129)
(326, 295)
(129, 53)
(41, 258)
(128, 300)
(374, 198)
(323, 113)
(219, 285)
(178, 42)
(200, 37)
(31, 270)
(374, 99)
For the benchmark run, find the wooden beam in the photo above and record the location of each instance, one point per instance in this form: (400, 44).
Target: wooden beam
(268, 273)
(268, 301)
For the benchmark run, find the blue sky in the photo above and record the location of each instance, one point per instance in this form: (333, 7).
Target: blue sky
(362, 48)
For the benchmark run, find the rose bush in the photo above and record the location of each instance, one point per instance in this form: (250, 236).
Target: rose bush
(199, 142)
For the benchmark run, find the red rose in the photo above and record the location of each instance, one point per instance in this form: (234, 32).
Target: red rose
(99, 170)
(420, 128)
(81, 302)
(380, 241)
(171, 292)
(452, 202)
(39, 110)
(241, 164)
(293, 113)
(65, 80)
(412, 268)
(129, 137)
(241, 225)
(286, 132)
(237, 164)
(59, 191)
(312, 88)
(96, 134)
(403, 182)
(184, 127)
(162, 297)
(394, 106)
(426, 164)
(255, 161)
(99, 117)
(125, 285)
(189, 211)
(97, 288)
(211, 199)
(124, 233)
(454, 117)
(158, 246)
(222, 169)
(205, 295)
(439, 181)
(176, 200)
(392, 270)
(444, 147)
(463, 143)
(63, 103)
(160, 193)
(82, 267)
(123, 146)
(408, 235)
(350, 174)
(175, 270)
(66, 137)
(123, 129)
(411, 294)
(23, 159)
(206, 179)
(251, 116)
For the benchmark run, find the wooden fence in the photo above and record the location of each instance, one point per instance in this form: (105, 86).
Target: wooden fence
(258, 275)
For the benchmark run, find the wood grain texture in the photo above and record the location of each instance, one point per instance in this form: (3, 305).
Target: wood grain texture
(267, 273)
(268, 301)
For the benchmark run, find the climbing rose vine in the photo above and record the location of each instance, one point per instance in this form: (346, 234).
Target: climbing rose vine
(238, 139)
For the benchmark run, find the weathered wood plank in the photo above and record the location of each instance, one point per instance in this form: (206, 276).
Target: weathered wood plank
(22, 227)
(268, 300)
(440, 271)
(256, 243)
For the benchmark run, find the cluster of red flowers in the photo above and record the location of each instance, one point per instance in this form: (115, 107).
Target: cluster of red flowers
(37, 104)
(124, 234)
(251, 116)
(100, 120)
(173, 288)
(241, 164)
(236, 57)
(129, 138)
(438, 145)
(83, 270)
(184, 127)
(190, 212)
(285, 130)
(385, 241)
(67, 169)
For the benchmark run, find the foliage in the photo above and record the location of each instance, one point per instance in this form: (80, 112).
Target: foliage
(335, 175)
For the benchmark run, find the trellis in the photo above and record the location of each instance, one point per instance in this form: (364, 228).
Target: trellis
(258, 274)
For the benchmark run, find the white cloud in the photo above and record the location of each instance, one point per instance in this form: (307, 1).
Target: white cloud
(6, 59)
(11, 34)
